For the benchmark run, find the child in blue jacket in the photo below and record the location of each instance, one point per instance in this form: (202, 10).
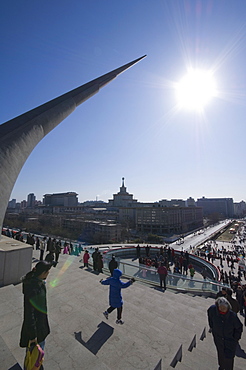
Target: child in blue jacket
(115, 297)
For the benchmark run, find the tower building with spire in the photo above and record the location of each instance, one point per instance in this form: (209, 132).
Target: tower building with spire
(122, 198)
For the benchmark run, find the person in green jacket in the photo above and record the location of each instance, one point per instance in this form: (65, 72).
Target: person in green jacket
(35, 327)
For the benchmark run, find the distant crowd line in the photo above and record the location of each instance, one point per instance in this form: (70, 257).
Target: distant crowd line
(52, 246)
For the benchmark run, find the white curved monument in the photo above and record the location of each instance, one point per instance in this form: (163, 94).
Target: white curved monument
(19, 136)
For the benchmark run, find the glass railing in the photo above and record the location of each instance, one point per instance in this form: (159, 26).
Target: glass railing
(173, 281)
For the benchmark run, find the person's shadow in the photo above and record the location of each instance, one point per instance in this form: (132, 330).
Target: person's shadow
(98, 339)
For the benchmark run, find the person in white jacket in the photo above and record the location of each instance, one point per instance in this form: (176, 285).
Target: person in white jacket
(42, 247)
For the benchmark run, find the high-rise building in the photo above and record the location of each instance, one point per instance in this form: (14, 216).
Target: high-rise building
(12, 203)
(31, 200)
(23, 204)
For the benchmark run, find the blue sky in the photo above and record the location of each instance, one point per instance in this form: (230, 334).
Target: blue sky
(132, 127)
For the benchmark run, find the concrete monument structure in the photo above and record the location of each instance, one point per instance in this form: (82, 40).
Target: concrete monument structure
(18, 137)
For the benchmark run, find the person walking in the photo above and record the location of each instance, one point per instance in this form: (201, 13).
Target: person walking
(113, 264)
(42, 248)
(192, 271)
(58, 248)
(95, 256)
(35, 327)
(138, 250)
(244, 306)
(115, 297)
(86, 258)
(221, 293)
(100, 263)
(235, 307)
(162, 271)
(50, 259)
(226, 329)
(37, 243)
(32, 241)
(49, 245)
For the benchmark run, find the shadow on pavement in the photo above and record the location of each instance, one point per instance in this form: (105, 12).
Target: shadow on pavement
(98, 339)
(15, 367)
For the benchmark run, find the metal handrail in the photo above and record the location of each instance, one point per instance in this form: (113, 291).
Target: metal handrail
(174, 281)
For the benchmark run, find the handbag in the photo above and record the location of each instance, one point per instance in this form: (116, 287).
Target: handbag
(34, 357)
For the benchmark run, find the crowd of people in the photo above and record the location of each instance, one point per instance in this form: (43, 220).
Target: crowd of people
(165, 257)
(238, 302)
(222, 316)
(51, 246)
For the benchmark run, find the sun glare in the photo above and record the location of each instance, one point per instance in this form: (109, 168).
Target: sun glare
(195, 90)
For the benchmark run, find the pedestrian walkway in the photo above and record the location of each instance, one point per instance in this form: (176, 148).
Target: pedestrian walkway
(225, 267)
(156, 325)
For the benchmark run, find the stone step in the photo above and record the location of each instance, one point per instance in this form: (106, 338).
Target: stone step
(205, 355)
(8, 361)
(156, 323)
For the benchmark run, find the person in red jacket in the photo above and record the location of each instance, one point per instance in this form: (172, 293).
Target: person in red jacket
(162, 271)
(86, 258)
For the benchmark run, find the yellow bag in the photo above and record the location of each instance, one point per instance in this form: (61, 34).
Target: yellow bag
(34, 357)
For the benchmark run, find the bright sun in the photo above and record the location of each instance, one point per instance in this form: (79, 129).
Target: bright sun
(196, 89)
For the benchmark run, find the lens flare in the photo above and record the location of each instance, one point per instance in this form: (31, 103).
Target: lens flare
(53, 283)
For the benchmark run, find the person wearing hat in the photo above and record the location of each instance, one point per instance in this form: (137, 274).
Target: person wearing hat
(115, 297)
(35, 327)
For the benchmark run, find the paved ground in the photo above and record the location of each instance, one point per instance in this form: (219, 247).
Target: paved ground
(156, 325)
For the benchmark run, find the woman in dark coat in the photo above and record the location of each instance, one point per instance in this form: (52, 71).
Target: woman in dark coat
(100, 263)
(226, 329)
(35, 327)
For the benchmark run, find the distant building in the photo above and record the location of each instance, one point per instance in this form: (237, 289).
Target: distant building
(94, 203)
(31, 200)
(240, 209)
(23, 204)
(172, 203)
(101, 232)
(163, 217)
(222, 206)
(190, 202)
(69, 199)
(122, 198)
(12, 203)
(168, 220)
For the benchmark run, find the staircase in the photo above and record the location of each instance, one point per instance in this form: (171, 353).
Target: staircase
(157, 325)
